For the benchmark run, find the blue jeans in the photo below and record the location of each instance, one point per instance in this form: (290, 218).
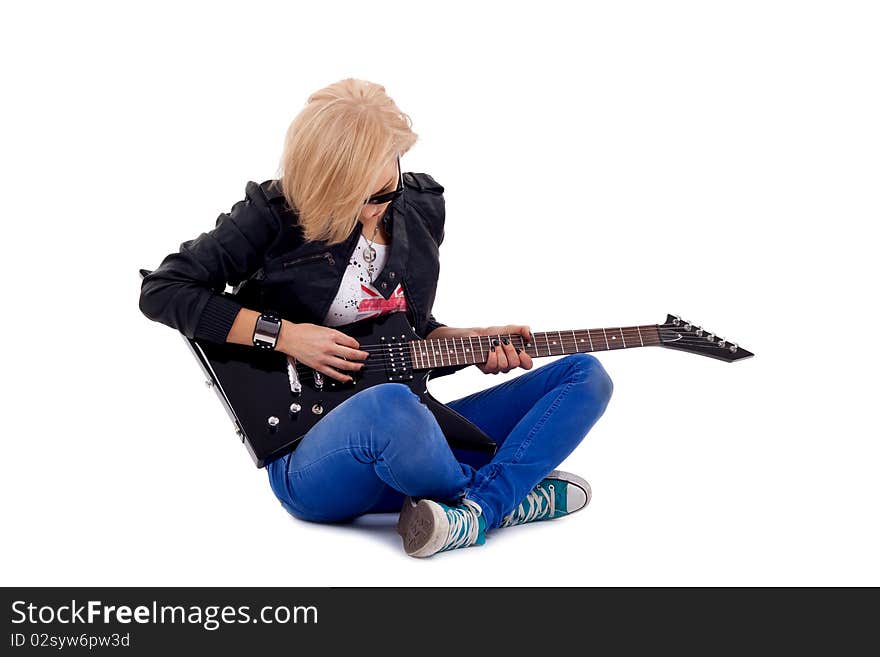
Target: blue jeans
(383, 443)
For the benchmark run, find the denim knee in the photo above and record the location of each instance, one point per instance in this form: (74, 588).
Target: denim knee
(586, 369)
(389, 396)
(402, 412)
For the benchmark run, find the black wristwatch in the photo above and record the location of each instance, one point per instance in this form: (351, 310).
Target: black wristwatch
(266, 330)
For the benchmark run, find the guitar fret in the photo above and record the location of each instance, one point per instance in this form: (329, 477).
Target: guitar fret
(445, 352)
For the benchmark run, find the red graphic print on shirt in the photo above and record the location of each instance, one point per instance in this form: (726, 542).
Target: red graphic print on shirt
(374, 303)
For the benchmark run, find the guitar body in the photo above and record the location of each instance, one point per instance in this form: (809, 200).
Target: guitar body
(271, 415)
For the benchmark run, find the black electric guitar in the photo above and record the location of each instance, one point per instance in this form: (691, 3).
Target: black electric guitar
(273, 401)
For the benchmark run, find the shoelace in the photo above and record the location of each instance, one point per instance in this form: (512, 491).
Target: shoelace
(464, 526)
(538, 503)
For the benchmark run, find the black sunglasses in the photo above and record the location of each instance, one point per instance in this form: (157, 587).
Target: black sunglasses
(379, 199)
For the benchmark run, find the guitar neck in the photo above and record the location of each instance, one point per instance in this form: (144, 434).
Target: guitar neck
(441, 352)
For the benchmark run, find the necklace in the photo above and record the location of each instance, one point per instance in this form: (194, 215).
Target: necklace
(369, 253)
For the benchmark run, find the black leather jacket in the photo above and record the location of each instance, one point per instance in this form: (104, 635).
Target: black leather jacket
(258, 249)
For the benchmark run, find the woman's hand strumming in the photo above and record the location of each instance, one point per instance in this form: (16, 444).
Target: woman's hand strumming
(324, 349)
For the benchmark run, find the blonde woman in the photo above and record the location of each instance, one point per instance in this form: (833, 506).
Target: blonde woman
(364, 238)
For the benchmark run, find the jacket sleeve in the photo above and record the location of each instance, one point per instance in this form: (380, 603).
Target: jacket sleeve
(432, 324)
(433, 204)
(185, 290)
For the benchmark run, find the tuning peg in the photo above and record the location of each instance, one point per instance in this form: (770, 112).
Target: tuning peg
(732, 347)
(687, 327)
(722, 344)
(699, 331)
(710, 337)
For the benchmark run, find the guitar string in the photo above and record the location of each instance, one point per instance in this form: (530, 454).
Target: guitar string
(565, 336)
(566, 333)
(371, 364)
(566, 342)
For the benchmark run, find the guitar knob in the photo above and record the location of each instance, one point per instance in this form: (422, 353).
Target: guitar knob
(317, 409)
(295, 408)
(272, 422)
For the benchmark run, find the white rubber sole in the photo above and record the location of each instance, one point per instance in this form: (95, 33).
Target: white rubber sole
(577, 481)
(423, 526)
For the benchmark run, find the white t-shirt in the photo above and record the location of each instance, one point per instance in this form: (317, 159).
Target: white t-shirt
(356, 298)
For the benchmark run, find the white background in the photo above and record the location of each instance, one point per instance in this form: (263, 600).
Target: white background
(604, 164)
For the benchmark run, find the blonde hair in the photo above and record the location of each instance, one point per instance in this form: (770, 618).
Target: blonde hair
(334, 152)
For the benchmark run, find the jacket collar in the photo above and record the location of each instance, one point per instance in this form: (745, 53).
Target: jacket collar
(394, 222)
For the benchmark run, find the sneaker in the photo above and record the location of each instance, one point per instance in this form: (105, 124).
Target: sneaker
(428, 527)
(558, 494)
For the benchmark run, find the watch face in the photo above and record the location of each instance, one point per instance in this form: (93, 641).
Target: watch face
(266, 331)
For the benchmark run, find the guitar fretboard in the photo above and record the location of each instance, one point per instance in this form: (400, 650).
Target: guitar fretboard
(440, 352)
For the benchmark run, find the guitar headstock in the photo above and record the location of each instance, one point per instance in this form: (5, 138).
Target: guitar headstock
(678, 333)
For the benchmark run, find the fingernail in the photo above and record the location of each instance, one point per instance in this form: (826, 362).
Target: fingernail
(495, 342)
(505, 340)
